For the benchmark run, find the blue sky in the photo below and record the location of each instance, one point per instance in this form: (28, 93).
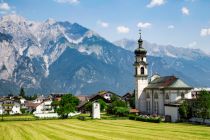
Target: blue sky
(182, 23)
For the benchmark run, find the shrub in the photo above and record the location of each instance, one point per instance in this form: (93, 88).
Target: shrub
(132, 117)
(82, 118)
(121, 111)
(148, 119)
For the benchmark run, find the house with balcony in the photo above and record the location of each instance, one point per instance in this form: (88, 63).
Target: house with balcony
(10, 106)
(44, 107)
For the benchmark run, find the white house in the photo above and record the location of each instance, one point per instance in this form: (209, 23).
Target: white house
(9, 106)
(196, 91)
(39, 99)
(159, 95)
(44, 107)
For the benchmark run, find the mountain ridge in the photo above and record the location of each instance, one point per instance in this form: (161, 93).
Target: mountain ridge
(60, 57)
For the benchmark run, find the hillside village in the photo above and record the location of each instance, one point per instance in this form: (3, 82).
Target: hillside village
(156, 95)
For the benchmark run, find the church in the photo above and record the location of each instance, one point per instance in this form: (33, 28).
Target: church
(156, 95)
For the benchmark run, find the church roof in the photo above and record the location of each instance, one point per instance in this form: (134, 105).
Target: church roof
(170, 82)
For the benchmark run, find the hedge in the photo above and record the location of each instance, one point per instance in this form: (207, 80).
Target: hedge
(145, 119)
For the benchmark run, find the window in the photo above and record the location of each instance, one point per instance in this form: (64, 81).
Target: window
(167, 96)
(142, 58)
(148, 96)
(156, 107)
(148, 106)
(142, 70)
(182, 95)
(156, 96)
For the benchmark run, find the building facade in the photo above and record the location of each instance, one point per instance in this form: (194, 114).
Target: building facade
(9, 106)
(154, 94)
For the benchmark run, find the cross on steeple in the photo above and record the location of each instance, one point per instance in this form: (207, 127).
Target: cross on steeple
(140, 33)
(140, 41)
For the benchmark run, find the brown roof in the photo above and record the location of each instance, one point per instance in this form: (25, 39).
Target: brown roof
(162, 82)
(83, 98)
(167, 82)
(32, 105)
(134, 111)
(127, 95)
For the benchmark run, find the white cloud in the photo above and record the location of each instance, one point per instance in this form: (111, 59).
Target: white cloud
(123, 29)
(103, 24)
(192, 44)
(171, 26)
(185, 11)
(154, 3)
(205, 32)
(68, 1)
(144, 25)
(4, 6)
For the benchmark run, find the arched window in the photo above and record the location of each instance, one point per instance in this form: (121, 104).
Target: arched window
(148, 96)
(142, 70)
(182, 95)
(167, 96)
(156, 96)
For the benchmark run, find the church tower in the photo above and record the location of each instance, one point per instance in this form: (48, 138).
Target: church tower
(141, 75)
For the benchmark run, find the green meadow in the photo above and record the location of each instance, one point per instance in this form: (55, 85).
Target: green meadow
(73, 129)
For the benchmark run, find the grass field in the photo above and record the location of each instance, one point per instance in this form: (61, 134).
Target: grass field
(73, 129)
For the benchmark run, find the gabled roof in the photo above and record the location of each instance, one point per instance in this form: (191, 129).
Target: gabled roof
(83, 98)
(167, 82)
(32, 105)
(128, 94)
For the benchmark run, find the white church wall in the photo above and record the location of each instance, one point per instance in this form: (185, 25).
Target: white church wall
(173, 112)
(141, 83)
(173, 97)
(161, 103)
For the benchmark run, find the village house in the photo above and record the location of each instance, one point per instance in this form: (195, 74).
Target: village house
(39, 99)
(193, 94)
(158, 95)
(44, 107)
(103, 95)
(9, 105)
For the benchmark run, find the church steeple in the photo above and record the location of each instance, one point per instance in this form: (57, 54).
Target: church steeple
(140, 50)
(141, 72)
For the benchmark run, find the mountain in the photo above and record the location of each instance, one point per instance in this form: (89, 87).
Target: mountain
(60, 57)
(162, 50)
(192, 65)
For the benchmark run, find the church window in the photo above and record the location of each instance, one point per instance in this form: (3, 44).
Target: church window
(148, 96)
(182, 95)
(156, 96)
(142, 59)
(142, 70)
(148, 106)
(156, 107)
(167, 96)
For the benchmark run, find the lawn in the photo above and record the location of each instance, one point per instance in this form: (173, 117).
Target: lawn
(73, 129)
(18, 117)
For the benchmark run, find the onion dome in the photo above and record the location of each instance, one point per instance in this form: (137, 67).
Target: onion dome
(140, 50)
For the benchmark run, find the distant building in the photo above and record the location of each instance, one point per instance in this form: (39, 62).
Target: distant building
(44, 107)
(9, 105)
(160, 94)
(103, 95)
(39, 99)
(193, 94)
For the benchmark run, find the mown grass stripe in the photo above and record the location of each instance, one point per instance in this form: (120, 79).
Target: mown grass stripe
(99, 129)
